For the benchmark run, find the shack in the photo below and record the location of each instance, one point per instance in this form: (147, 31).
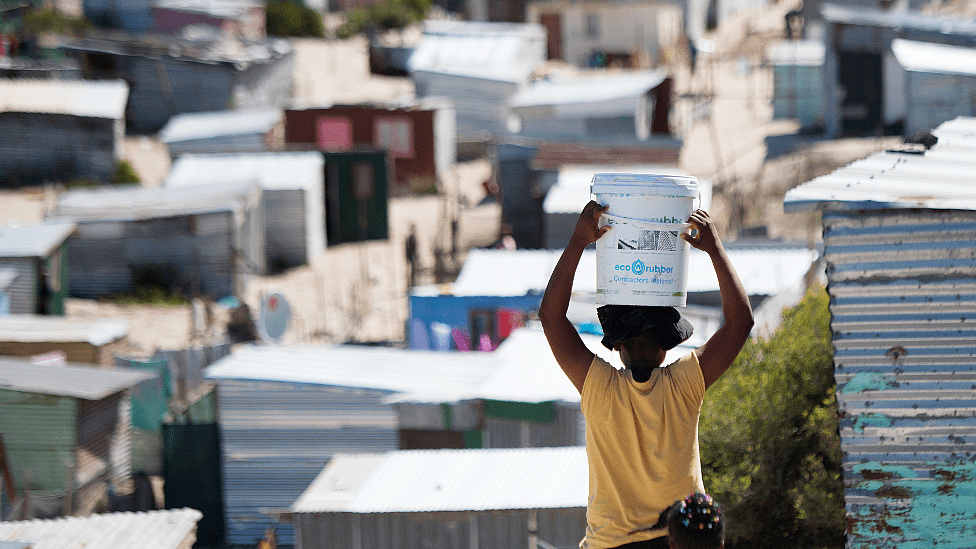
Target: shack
(284, 412)
(632, 35)
(860, 60)
(242, 131)
(898, 228)
(66, 430)
(456, 499)
(60, 130)
(418, 136)
(170, 75)
(78, 341)
(34, 267)
(294, 201)
(195, 241)
(479, 67)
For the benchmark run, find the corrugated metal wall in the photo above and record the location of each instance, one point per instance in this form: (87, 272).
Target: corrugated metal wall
(39, 435)
(40, 147)
(567, 429)
(934, 98)
(481, 105)
(211, 252)
(903, 304)
(23, 291)
(277, 437)
(494, 529)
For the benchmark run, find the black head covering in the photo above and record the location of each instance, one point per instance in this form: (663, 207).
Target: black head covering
(622, 322)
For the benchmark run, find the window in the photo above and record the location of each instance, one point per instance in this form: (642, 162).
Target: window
(394, 134)
(334, 134)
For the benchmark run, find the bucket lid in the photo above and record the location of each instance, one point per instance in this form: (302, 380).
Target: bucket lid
(645, 183)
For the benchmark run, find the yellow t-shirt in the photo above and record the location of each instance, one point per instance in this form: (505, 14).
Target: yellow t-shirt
(641, 446)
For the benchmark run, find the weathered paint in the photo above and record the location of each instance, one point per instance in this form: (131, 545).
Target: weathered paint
(916, 511)
(902, 282)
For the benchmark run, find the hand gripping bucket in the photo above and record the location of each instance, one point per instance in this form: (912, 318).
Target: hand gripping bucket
(642, 260)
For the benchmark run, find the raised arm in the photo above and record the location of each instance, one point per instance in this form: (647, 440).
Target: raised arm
(718, 353)
(567, 346)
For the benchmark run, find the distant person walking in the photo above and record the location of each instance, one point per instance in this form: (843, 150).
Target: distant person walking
(410, 249)
(642, 421)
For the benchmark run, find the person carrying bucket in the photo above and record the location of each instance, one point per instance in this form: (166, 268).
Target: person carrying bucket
(642, 421)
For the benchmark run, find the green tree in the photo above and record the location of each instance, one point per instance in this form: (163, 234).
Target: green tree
(295, 19)
(124, 173)
(391, 14)
(50, 21)
(769, 438)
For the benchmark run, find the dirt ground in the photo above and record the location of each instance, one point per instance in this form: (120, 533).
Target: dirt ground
(358, 292)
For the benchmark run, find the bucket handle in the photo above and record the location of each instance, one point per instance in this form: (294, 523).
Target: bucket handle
(648, 224)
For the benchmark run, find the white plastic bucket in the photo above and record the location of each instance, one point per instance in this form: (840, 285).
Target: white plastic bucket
(642, 260)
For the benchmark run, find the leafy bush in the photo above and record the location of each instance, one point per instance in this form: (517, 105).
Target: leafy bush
(769, 438)
(124, 173)
(391, 14)
(153, 285)
(48, 20)
(288, 18)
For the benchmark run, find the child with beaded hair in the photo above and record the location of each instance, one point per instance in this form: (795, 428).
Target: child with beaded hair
(696, 522)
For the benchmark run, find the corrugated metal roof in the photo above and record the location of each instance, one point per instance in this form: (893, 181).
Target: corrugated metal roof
(605, 87)
(88, 383)
(934, 58)
(571, 190)
(203, 125)
(33, 240)
(169, 529)
(412, 375)
(420, 481)
(96, 99)
(128, 204)
(218, 8)
(941, 178)
(506, 52)
(897, 19)
(36, 328)
(272, 170)
(766, 270)
(806, 53)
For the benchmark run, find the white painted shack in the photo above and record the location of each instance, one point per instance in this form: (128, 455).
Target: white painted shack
(294, 201)
(450, 499)
(240, 131)
(60, 130)
(197, 241)
(479, 67)
(899, 231)
(636, 34)
(284, 412)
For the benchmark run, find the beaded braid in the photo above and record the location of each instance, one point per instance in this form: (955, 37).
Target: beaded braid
(696, 522)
